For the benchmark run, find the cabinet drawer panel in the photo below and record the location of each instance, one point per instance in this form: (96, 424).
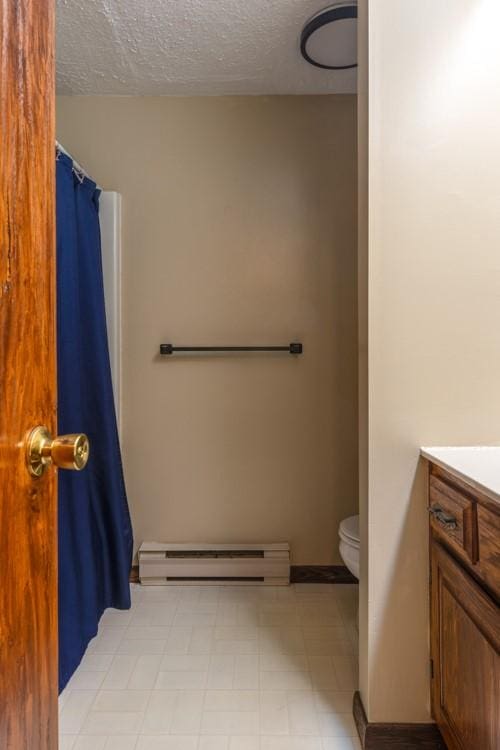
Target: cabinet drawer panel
(488, 566)
(453, 518)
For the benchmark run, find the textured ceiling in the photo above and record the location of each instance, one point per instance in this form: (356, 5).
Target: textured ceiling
(154, 47)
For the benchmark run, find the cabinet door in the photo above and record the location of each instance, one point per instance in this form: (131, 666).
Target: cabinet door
(465, 646)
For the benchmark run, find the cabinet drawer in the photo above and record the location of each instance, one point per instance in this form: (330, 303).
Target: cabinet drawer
(453, 518)
(488, 566)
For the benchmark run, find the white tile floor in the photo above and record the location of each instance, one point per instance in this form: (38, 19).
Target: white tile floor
(218, 668)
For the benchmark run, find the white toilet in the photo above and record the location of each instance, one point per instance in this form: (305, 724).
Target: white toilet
(349, 543)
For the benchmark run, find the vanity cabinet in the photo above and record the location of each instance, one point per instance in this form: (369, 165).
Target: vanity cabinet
(465, 613)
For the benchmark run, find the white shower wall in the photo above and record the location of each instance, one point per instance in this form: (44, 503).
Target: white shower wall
(110, 220)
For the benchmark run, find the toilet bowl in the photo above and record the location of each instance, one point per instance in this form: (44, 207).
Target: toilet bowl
(349, 543)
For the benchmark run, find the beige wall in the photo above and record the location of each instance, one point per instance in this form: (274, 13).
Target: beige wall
(433, 292)
(239, 227)
(362, 282)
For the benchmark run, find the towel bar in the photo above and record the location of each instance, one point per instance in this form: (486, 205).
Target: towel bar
(293, 348)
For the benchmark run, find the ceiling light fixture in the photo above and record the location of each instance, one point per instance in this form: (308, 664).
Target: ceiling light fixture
(329, 38)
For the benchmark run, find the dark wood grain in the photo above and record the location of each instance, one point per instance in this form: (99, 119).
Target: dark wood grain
(465, 649)
(489, 500)
(477, 545)
(28, 542)
(488, 567)
(463, 508)
(379, 736)
(321, 574)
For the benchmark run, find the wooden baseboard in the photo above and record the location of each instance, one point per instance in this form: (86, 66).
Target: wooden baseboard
(298, 574)
(321, 574)
(394, 736)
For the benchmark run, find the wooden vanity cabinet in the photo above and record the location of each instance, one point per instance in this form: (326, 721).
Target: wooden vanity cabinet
(465, 614)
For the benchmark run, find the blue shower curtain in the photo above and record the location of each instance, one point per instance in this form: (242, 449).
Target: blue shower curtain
(95, 534)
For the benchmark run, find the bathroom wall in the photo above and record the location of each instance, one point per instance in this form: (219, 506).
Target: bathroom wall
(429, 255)
(362, 281)
(239, 227)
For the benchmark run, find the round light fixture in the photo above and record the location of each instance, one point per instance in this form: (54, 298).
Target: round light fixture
(329, 38)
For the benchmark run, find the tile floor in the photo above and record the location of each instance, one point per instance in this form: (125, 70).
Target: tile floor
(218, 668)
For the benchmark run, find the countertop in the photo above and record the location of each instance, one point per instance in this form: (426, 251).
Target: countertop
(478, 466)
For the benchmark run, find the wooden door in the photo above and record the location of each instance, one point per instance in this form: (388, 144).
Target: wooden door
(466, 657)
(28, 529)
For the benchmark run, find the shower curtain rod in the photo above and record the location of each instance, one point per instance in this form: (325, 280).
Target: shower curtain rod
(78, 167)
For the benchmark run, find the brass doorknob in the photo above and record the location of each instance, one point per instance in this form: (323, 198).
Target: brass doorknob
(64, 451)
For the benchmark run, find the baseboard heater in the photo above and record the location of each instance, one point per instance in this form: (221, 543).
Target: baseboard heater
(214, 564)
